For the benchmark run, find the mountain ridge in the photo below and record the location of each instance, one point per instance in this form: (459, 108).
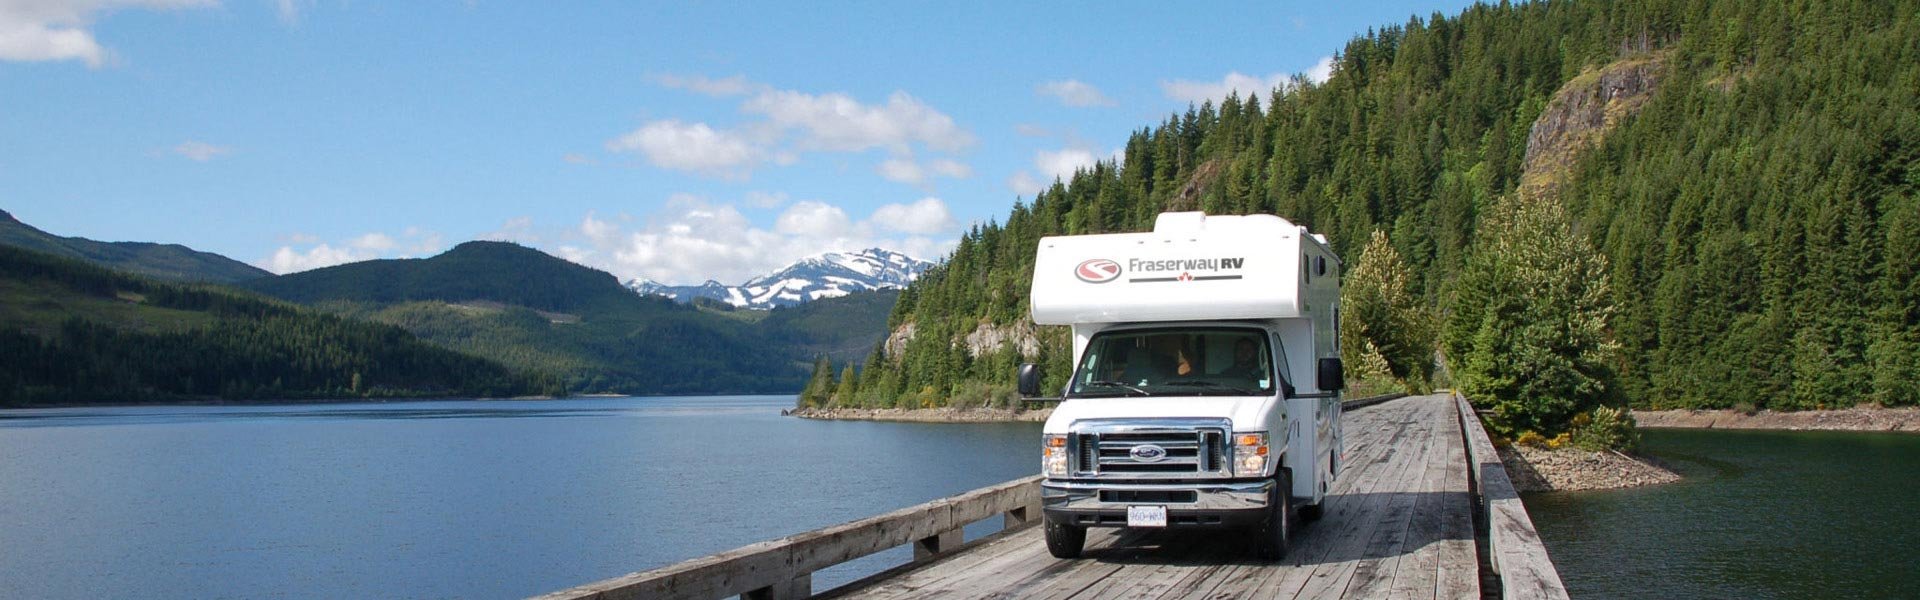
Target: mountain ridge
(172, 262)
(824, 275)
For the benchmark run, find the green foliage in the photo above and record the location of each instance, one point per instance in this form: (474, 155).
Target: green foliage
(1606, 428)
(1383, 315)
(1758, 213)
(1529, 329)
(241, 347)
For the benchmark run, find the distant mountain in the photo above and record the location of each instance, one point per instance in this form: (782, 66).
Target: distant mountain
(829, 275)
(501, 272)
(540, 313)
(164, 261)
(74, 332)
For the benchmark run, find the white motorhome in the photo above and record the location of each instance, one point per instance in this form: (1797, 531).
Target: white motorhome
(1206, 385)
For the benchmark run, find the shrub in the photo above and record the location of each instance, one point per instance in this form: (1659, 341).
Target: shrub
(1606, 428)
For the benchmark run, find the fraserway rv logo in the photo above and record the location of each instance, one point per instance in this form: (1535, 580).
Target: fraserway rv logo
(1098, 270)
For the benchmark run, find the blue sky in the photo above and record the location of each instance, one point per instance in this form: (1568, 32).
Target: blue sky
(677, 143)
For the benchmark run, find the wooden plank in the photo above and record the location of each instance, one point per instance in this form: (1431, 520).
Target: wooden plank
(1458, 574)
(1397, 523)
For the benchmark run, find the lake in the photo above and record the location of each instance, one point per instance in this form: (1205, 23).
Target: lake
(477, 499)
(1762, 514)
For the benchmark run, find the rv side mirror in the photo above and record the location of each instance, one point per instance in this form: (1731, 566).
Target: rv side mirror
(1029, 380)
(1332, 375)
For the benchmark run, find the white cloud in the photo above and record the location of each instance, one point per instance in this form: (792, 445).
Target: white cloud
(736, 85)
(1058, 165)
(815, 219)
(1321, 71)
(57, 30)
(784, 124)
(373, 241)
(575, 158)
(412, 242)
(1246, 86)
(1063, 163)
(1075, 93)
(672, 144)
(287, 260)
(927, 216)
(837, 122)
(198, 151)
(902, 170)
(692, 239)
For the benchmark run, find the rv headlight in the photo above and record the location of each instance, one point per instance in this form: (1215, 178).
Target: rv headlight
(1249, 453)
(1053, 455)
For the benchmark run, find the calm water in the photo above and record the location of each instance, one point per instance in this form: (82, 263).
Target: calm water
(447, 499)
(1761, 515)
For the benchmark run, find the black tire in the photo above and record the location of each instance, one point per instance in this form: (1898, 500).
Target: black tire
(1313, 512)
(1276, 537)
(1065, 541)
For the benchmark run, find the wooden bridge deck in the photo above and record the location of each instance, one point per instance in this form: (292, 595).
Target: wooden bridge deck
(1398, 524)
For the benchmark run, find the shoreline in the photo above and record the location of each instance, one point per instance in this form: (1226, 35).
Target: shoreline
(922, 415)
(1857, 419)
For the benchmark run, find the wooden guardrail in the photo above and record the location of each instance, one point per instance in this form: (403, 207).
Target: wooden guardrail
(784, 568)
(1514, 547)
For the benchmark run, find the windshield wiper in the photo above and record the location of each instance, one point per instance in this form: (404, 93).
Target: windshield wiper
(1204, 383)
(1116, 384)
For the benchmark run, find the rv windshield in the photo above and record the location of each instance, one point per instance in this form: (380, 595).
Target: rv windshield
(1176, 362)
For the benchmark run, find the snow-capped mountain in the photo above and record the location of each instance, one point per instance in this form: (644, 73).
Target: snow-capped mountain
(828, 275)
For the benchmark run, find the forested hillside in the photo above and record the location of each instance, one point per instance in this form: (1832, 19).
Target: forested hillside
(73, 332)
(163, 261)
(1735, 185)
(539, 313)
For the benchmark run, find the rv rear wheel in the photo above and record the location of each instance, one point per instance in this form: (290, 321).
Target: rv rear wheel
(1065, 541)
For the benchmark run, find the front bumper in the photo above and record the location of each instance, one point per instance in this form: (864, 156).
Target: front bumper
(1208, 504)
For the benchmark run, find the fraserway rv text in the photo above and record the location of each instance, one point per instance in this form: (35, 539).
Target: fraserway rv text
(1206, 386)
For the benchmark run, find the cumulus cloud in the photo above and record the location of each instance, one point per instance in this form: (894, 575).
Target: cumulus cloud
(927, 216)
(1075, 93)
(198, 151)
(58, 30)
(693, 239)
(306, 251)
(1025, 184)
(784, 124)
(696, 147)
(1235, 82)
(1321, 71)
(837, 122)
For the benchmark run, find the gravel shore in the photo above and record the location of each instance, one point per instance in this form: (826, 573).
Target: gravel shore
(1848, 419)
(1568, 469)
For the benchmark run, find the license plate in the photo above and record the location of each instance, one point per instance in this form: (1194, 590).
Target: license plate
(1146, 516)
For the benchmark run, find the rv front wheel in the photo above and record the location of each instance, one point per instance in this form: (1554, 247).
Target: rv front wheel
(1065, 541)
(1274, 538)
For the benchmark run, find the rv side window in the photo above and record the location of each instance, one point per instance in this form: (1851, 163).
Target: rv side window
(1218, 361)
